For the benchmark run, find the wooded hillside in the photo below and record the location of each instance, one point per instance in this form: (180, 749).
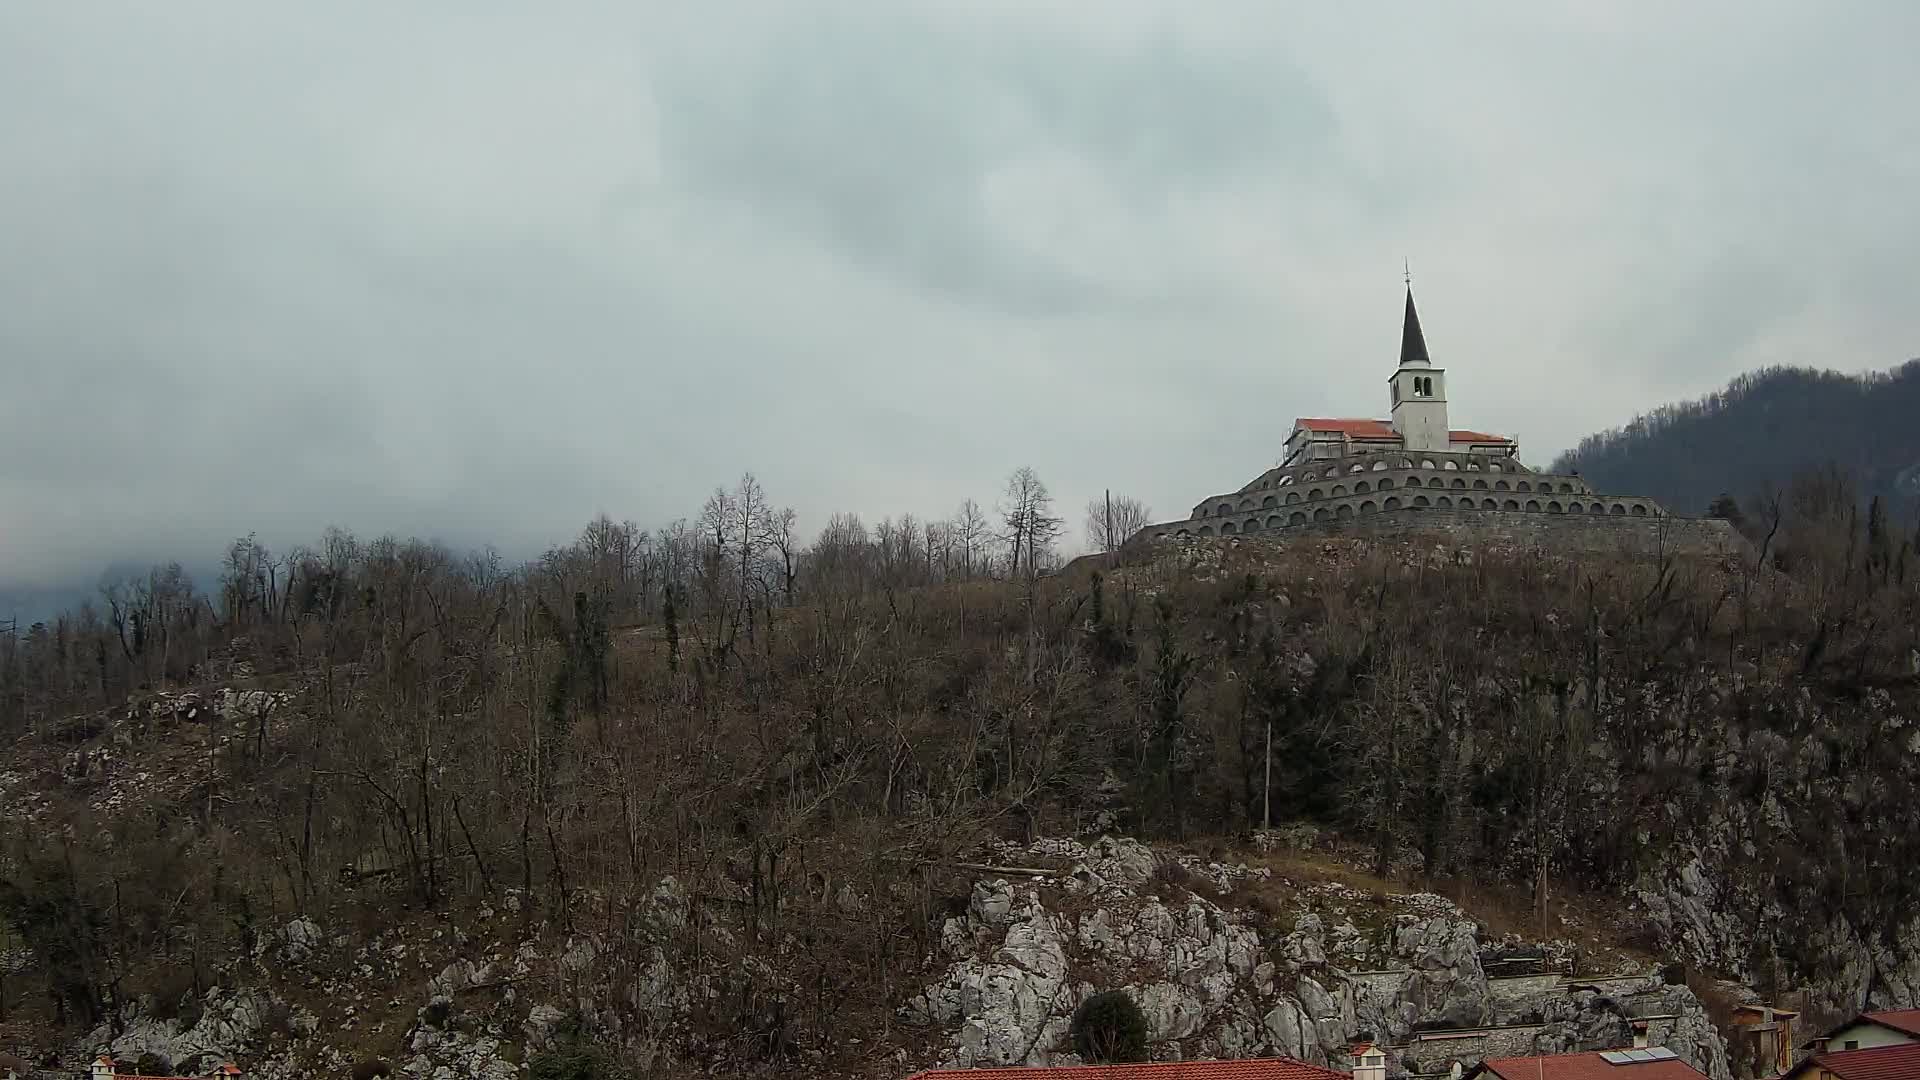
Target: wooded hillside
(777, 727)
(1756, 434)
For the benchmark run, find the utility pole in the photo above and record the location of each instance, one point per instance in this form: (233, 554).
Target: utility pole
(1266, 791)
(1543, 897)
(1110, 544)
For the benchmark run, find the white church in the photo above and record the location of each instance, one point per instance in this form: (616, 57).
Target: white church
(1413, 466)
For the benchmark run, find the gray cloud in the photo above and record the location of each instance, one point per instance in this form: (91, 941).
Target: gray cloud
(480, 272)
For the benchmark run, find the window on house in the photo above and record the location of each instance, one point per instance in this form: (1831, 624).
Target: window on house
(1853, 1044)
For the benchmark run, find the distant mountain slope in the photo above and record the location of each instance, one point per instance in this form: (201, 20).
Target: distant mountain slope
(1761, 429)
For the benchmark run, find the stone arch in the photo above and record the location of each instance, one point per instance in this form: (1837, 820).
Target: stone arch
(1459, 483)
(1344, 512)
(1489, 504)
(1269, 501)
(1444, 502)
(1533, 505)
(1405, 463)
(1297, 518)
(1554, 507)
(1354, 468)
(1510, 505)
(1413, 481)
(1479, 484)
(1361, 488)
(1206, 530)
(1228, 528)
(1449, 466)
(1566, 487)
(1575, 507)
(1246, 504)
(1617, 510)
(1495, 466)
(1314, 494)
(1338, 490)
(1640, 509)
(1596, 508)
(1498, 485)
(1274, 522)
(1427, 463)
(1385, 484)
(1392, 503)
(1285, 480)
(1224, 508)
(1475, 466)
(1322, 514)
(1292, 497)
(1522, 485)
(1380, 466)
(1368, 507)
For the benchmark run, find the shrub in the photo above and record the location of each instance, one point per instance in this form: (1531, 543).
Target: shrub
(152, 1064)
(372, 1069)
(572, 1061)
(1109, 1028)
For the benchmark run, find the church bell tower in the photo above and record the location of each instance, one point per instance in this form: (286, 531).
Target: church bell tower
(1419, 390)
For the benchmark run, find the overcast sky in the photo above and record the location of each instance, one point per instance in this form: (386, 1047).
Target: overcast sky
(481, 271)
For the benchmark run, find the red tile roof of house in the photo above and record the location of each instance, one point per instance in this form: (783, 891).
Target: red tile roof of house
(1900, 1061)
(229, 1069)
(1245, 1069)
(1907, 1020)
(1588, 1066)
(1363, 428)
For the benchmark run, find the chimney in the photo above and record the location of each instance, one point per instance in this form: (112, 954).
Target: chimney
(1640, 1035)
(102, 1069)
(1369, 1062)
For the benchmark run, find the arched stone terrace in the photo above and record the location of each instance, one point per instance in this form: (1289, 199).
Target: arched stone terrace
(1358, 487)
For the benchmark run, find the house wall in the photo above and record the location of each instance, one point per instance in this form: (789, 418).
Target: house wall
(1868, 1036)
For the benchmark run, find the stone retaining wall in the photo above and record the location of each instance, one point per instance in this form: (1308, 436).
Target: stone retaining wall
(1576, 534)
(1560, 532)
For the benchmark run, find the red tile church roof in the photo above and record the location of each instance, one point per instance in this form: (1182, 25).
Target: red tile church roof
(1361, 428)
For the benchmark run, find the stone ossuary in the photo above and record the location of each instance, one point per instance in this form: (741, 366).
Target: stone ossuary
(1400, 472)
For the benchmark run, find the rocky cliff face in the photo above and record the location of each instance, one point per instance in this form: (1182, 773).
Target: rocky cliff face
(1211, 984)
(1214, 977)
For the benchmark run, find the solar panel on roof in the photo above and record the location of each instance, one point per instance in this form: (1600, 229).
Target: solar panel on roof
(1661, 1053)
(1614, 1057)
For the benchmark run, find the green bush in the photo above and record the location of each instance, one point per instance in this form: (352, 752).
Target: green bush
(1108, 1028)
(152, 1064)
(372, 1069)
(572, 1061)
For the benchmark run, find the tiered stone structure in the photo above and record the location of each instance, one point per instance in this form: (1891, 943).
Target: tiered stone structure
(1339, 471)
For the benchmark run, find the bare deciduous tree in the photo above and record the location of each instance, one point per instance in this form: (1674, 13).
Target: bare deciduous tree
(1111, 521)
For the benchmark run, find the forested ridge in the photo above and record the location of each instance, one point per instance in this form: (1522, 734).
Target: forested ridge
(779, 725)
(1752, 437)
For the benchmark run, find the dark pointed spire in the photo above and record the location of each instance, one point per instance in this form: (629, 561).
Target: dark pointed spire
(1413, 344)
